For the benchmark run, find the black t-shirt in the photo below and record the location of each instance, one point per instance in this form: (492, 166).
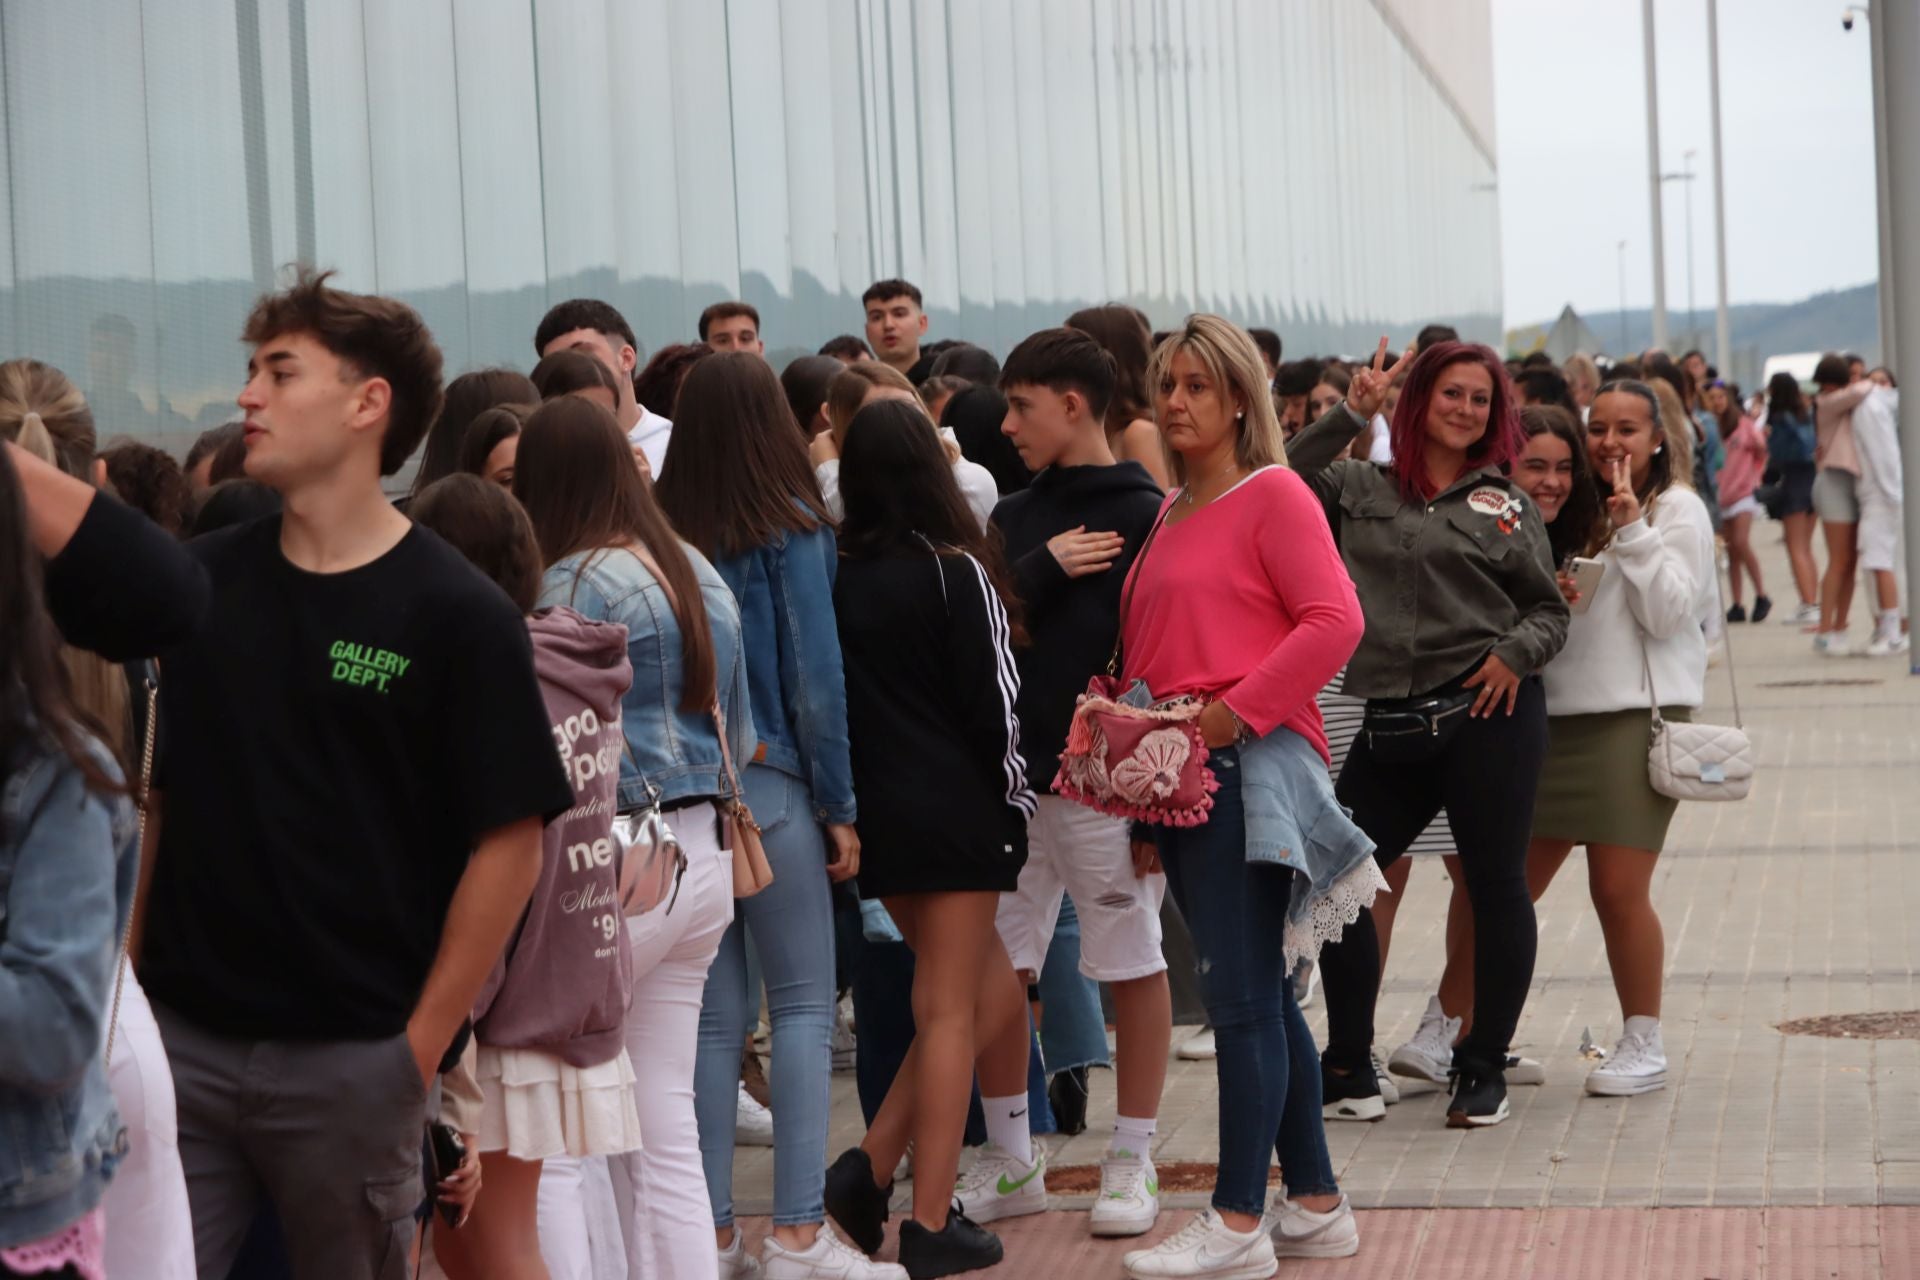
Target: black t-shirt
(336, 744)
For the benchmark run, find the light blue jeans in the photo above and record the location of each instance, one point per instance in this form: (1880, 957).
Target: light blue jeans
(791, 921)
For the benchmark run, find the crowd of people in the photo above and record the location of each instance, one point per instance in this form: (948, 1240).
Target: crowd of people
(379, 867)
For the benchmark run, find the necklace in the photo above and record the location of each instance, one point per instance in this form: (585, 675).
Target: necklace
(1186, 490)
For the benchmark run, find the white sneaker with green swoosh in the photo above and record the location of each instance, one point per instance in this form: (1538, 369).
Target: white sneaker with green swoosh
(1129, 1202)
(998, 1186)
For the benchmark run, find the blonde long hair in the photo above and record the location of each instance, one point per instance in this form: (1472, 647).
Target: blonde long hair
(45, 414)
(1231, 359)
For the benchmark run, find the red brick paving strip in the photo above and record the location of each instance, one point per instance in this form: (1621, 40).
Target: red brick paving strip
(1528, 1244)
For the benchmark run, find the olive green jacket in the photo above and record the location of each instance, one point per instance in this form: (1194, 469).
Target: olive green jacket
(1442, 583)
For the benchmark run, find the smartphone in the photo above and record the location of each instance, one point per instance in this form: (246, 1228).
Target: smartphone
(447, 1153)
(1586, 574)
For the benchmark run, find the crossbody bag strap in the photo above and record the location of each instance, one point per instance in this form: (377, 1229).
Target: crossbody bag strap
(1133, 580)
(726, 753)
(139, 854)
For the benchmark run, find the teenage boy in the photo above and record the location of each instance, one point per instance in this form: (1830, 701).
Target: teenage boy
(1071, 536)
(357, 767)
(895, 323)
(594, 327)
(732, 326)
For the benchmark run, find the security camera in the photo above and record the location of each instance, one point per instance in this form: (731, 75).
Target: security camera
(1846, 20)
(1852, 11)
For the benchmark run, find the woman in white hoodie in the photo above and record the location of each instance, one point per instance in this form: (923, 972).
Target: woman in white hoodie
(1656, 544)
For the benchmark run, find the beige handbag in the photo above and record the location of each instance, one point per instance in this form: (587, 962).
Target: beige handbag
(1698, 761)
(751, 870)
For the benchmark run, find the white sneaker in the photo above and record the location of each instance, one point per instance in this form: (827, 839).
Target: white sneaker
(1833, 644)
(1429, 1055)
(1638, 1064)
(830, 1258)
(844, 1044)
(1888, 644)
(1525, 1071)
(752, 1123)
(1129, 1202)
(1300, 1233)
(1206, 1249)
(998, 1186)
(1197, 1047)
(1303, 987)
(1389, 1091)
(735, 1262)
(1805, 615)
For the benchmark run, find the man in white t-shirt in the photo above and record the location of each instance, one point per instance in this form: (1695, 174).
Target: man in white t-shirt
(597, 329)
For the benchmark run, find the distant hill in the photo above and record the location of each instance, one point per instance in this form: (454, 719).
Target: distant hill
(1842, 320)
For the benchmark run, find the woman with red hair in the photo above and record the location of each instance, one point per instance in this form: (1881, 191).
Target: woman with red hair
(1451, 564)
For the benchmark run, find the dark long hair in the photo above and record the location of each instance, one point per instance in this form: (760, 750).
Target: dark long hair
(468, 396)
(482, 522)
(901, 496)
(1573, 530)
(1123, 333)
(1502, 440)
(576, 476)
(737, 475)
(974, 415)
(488, 430)
(37, 713)
(1784, 397)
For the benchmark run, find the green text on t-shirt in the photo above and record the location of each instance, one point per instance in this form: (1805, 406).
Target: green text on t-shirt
(363, 664)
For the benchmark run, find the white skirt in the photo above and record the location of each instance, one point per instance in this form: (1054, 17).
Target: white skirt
(535, 1106)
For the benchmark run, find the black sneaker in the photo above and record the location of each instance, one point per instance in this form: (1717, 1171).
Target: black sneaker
(1738, 613)
(964, 1245)
(856, 1206)
(1352, 1096)
(1761, 608)
(1067, 1095)
(1479, 1096)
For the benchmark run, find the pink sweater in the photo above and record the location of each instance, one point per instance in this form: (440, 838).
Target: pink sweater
(1746, 462)
(1246, 600)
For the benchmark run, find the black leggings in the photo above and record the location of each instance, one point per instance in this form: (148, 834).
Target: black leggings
(1486, 778)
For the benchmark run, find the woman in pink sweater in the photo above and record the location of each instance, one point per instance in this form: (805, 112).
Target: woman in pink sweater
(1240, 599)
(1739, 477)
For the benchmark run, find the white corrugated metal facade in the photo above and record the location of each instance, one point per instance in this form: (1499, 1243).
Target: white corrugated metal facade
(1322, 166)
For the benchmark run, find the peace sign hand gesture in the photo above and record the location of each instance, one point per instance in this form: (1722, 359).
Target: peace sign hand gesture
(1623, 504)
(1371, 384)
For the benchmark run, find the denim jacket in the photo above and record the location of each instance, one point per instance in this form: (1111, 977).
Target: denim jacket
(1293, 819)
(785, 593)
(676, 750)
(67, 869)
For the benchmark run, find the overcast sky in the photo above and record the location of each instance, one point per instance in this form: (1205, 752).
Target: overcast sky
(1796, 124)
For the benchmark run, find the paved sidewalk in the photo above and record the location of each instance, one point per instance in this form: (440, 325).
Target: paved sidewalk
(1798, 903)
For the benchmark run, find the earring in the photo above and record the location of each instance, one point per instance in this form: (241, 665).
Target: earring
(1659, 448)
(1240, 415)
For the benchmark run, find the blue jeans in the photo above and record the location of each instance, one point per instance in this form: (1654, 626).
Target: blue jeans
(1269, 1070)
(792, 925)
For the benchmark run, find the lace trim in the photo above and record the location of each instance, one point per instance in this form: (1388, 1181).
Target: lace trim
(1328, 916)
(82, 1246)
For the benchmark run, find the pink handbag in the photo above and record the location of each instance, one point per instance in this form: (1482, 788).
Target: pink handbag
(1144, 763)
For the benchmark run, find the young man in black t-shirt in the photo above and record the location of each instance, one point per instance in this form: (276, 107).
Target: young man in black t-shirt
(356, 770)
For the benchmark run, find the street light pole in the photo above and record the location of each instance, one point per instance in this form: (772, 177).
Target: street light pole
(1898, 97)
(1693, 328)
(1653, 180)
(1722, 323)
(1622, 247)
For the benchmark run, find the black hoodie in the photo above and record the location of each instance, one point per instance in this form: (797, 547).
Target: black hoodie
(1073, 621)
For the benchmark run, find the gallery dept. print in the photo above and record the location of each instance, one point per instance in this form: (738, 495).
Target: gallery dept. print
(362, 664)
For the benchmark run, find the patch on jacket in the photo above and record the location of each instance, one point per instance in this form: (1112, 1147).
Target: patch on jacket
(1503, 506)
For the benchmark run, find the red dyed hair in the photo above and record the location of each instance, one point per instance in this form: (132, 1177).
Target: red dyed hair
(1504, 440)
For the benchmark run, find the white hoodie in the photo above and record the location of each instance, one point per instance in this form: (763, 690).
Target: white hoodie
(1659, 583)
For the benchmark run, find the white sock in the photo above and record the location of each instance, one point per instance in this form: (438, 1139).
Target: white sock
(1007, 1126)
(1131, 1137)
(1643, 1026)
(1890, 624)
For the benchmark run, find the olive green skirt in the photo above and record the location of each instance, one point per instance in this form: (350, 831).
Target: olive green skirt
(1594, 788)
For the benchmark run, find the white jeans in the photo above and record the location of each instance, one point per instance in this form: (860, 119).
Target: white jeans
(662, 1188)
(149, 1226)
(580, 1232)
(1077, 850)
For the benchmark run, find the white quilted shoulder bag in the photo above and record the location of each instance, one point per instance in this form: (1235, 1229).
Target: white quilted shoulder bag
(1698, 761)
